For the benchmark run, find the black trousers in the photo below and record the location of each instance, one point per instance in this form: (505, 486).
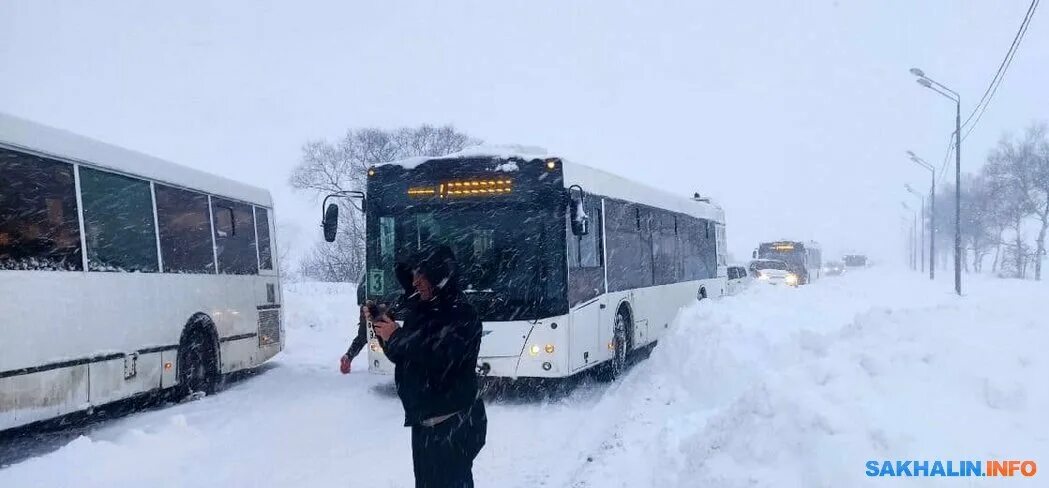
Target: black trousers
(444, 454)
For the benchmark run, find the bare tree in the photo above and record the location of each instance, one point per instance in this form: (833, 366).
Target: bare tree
(978, 219)
(337, 261)
(1009, 177)
(283, 249)
(1037, 135)
(328, 167)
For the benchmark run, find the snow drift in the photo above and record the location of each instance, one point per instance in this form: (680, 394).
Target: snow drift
(801, 387)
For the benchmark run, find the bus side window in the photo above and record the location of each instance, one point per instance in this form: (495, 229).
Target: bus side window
(234, 242)
(185, 231)
(118, 222)
(586, 276)
(39, 227)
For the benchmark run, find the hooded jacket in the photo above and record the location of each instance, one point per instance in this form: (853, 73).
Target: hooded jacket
(435, 351)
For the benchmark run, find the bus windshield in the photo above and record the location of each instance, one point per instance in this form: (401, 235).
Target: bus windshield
(503, 255)
(788, 254)
(768, 264)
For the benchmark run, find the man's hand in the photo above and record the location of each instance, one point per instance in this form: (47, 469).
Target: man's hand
(344, 364)
(384, 327)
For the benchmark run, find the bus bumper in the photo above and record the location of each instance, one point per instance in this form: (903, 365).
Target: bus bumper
(517, 349)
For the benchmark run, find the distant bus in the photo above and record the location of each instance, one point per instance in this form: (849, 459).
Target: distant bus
(122, 274)
(569, 267)
(804, 259)
(855, 260)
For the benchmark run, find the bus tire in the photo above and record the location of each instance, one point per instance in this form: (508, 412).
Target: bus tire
(198, 369)
(621, 334)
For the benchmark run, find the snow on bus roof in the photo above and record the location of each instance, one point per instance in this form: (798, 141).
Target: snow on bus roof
(495, 151)
(23, 134)
(592, 180)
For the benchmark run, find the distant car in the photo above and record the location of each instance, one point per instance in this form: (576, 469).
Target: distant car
(834, 268)
(738, 279)
(773, 272)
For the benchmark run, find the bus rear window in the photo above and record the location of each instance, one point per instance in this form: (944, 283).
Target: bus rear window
(39, 228)
(262, 226)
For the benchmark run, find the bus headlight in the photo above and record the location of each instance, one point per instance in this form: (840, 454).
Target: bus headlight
(763, 276)
(549, 348)
(792, 279)
(534, 350)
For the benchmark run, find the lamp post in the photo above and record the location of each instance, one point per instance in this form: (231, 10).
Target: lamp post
(953, 95)
(914, 237)
(921, 210)
(932, 212)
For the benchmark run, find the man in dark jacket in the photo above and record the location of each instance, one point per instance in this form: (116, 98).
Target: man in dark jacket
(435, 358)
(362, 335)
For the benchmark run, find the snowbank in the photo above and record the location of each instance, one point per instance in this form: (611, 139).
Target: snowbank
(801, 387)
(320, 321)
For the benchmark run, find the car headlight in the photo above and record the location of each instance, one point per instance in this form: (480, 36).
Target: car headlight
(792, 279)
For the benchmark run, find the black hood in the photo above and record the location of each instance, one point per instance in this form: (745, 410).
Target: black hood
(436, 263)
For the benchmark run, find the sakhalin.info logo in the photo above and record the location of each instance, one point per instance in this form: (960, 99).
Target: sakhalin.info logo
(917, 468)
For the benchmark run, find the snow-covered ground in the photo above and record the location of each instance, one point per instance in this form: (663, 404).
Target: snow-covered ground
(774, 387)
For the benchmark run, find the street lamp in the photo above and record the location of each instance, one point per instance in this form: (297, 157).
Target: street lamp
(932, 212)
(914, 237)
(922, 211)
(937, 87)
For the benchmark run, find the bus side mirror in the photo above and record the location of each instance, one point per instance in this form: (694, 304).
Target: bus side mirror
(331, 222)
(578, 217)
(580, 220)
(754, 254)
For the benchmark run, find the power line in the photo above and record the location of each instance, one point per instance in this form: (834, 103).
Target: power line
(946, 158)
(992, 88)
(999, 76)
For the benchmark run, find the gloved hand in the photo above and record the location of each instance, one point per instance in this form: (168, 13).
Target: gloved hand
(344, 364)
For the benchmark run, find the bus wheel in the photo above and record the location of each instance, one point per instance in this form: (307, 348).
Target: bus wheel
(620, 345)
(197, 365)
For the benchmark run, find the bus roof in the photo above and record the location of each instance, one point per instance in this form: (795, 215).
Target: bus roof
(592, 180)
(18, 133)
(805, 244)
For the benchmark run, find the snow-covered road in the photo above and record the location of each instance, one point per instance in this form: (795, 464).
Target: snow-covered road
(774, 387)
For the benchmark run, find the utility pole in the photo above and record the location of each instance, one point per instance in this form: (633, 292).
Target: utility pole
(921, 210)
(958, 195)
(912, 241)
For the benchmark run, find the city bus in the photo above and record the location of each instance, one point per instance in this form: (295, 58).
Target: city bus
(569, 267)
(855, 260)
(804, 259)
(123, 274)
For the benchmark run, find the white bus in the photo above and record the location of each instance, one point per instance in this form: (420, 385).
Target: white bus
(569, 267)
(122, 274)
(803, 259)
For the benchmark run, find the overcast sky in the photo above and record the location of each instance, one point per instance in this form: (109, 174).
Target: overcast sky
(794, 115)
